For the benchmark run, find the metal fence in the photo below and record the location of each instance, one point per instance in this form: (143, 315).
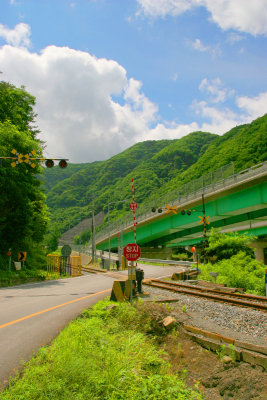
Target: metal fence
(222, 177)
(63, 265)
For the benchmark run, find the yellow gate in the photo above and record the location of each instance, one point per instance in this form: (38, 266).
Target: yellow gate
(53, 265)
(76, 265)
(61, 265)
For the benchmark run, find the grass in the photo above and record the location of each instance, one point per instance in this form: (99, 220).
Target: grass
(109, 353)
(11, 278)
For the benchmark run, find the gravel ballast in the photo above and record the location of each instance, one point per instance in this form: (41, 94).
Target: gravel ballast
(228, 320)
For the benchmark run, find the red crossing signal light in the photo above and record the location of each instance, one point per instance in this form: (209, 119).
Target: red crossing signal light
(63, 163)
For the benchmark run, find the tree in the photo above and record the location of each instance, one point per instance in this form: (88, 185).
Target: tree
(23, 213)
(52, 239)
(16, 106)
(84, 237)
(225, 245)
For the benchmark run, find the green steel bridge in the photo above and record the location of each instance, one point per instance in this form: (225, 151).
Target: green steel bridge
(233, 202)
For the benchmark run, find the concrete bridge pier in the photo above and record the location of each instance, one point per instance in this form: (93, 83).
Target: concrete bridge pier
(259, 246)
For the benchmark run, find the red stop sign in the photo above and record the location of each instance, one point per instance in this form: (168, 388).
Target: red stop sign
(132, 252)
(133, 206)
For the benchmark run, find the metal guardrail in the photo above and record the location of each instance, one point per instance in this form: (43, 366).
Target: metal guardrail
(169, 262)
(114, 257)
(206, 184)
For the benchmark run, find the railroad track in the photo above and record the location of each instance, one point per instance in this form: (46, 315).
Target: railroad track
(239, 299)
(93, 270)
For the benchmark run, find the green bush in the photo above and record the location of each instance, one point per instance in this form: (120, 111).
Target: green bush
(225, 245)
(34, 267)
(239, 271)
(84, 237)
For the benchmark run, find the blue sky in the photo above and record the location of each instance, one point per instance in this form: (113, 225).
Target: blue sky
(109, 73)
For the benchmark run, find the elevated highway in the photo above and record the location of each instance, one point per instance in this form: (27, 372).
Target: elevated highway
(233, 202)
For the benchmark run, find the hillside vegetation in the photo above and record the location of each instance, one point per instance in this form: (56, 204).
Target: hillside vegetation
(157, 167)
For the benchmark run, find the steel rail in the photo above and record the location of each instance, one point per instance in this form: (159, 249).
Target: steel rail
(247, 296)
(208, 296)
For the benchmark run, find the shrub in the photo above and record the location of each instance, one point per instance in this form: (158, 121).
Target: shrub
(239, 271)
(225, 245)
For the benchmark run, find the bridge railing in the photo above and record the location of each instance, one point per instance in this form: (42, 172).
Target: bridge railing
(208, 183)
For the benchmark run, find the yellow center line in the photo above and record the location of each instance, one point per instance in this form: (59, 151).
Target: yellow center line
(50, 309)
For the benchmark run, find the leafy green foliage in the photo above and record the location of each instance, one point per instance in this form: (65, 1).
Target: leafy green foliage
(100, 357)
(84, 237)
(23, 219)
(16, 106)
(52, 239)
(34, 268)
(240, 271)
(245, 145)
(56, 174)
(22, 203)
(226, 245)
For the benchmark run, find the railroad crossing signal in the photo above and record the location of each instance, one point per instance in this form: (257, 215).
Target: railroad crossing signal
(173, 209)
(188, 212)
(204, 220)
(23, 158)
(29, 159)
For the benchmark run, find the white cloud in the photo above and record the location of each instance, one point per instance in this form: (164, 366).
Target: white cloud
(198, 45)
(242, 15)
(253, 106)
(161, 8)
(222, 119)
(215, 89)
(218, 120)
(169, 131)
(79, 118)
(76, 113)
(19, 36)
(234, 37)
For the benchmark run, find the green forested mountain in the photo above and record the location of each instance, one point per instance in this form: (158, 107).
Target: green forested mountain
(156, 167)
(244, 145)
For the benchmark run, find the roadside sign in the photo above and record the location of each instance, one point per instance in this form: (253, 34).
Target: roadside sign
(66, 250)
(132, 252)
(266, 279)
(22, 256)
(133, 206)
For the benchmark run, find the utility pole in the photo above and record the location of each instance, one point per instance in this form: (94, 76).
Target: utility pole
(108, 239)
(93, 233)
(113, 202)
(205, 222)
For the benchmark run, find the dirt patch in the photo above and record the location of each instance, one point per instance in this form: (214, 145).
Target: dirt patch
(216, 377)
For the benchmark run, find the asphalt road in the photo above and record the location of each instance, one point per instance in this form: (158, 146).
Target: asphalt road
(31, 315)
